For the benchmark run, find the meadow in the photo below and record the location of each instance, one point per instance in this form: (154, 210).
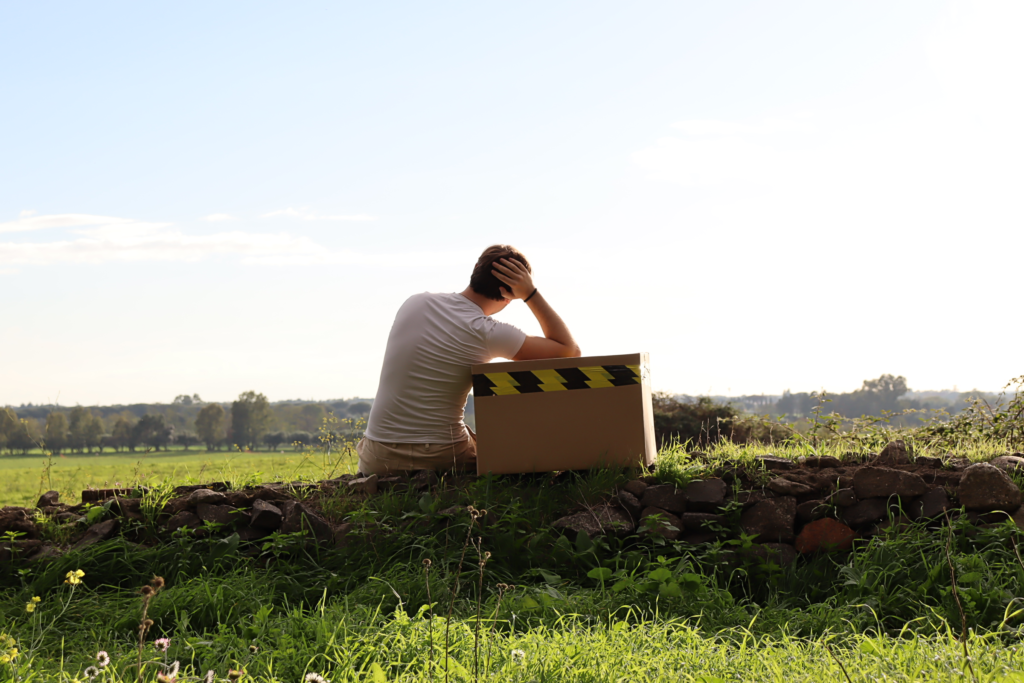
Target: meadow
(421, 593)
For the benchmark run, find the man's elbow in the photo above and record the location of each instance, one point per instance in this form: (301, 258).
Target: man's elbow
(573, 352)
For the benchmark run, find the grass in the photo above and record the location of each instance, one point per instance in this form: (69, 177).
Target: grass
(23, 478)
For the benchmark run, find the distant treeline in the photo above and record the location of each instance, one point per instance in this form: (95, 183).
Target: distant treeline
(187, 421)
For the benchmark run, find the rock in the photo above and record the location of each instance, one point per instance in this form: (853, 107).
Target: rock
(423, 479)
(866, 511)
(926, 461)
(298, 517)
(393, 483)
(45, 552)
(97, 495)
(698, 521)
(96, 533)
(811, 510)
(265, 515)
(776, 464)
(1008, 463)
(600, 520)
(706, 495)
(636, 487)
(699, 537)
(367, 485)
(782, 554)
(225, 515)
(1018, 518)
(17, 520)
(843, 498)
(899, 524)
(748, 498)
(666, 497)
(240, 499)
(206, 497)
(670, 526)
(771, 520)
(630, 504)
(48, 499)
(128, 507)
(247, 534)
(823, 461)
(786, 487)
(184, 519)
(824, 534)
(881, 482)
(985, 487)
(930, 505)
(341, 533)
(66, 516)
(895, 453)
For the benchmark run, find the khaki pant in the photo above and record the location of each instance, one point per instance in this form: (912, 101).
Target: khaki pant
(388, 458)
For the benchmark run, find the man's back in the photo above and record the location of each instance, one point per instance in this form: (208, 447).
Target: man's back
(425, 377)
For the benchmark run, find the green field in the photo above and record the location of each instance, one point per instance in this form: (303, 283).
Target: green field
(24, 477)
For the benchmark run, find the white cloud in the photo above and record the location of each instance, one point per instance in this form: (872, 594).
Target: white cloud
(218, 217)
(307, 215)
(8, 271)
(26, 213)
(29, 221)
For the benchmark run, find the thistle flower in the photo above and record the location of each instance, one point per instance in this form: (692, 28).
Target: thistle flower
(234, 674)
(102, 659)
(208, 678)
(91, 672)
(74, 577)
(157, 583)
(162, 644)
(253, 649)
(518, 657)
(315, 678)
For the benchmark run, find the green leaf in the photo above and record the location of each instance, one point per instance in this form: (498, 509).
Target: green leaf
(378, 673)
(670, 590)
(529, 603)
(622, 584)
(660, 574)
(600, 574)
(583, 542)
(970, 577)
(549, 577)
(426, 502)
(868, 648)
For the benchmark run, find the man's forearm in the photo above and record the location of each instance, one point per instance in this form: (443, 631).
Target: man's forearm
(551, 324)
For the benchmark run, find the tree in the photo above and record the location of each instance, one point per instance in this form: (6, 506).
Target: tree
(121, 435)
(9, 424)
(151, 430)
(56, 434)
(79, 426)
(93, 434)
(187, 439)
(186, 400)
(210, 425)
(274, 439)
(299, 439)
(250, 417)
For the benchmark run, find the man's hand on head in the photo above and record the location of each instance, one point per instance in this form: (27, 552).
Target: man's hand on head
(518, 279)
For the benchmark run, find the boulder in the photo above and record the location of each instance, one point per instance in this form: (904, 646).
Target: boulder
(341, 533)
(666, 497)
(926, 461)
(247, 534)
(206, 497)
(866, 511)
(698, 521)
(630, 504)
(782, 554)
(771, 520)
(786, 487)
(811, 510)
(985, 487)
(48, 499)
(824, 534)
(776, 464)
(843, 498)
(822, 461)
(699, 537)
(601, 520)
(17, 520)
(882, 482)
(128, 507)
(225, 515)
(184, 519)
(636, 487)
(748, 498)
(265, 515)
(706, 495)
(298, 517)
(930, 505)
(367, 485)
(895, 453)
(1008, 463)
(96, 533)
(670, 526)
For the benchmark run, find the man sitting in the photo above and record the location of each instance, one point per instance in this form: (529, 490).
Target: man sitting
(416, 418)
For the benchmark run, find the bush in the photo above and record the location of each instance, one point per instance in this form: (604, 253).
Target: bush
(701, 422)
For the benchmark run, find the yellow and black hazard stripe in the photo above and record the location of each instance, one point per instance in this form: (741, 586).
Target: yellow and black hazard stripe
(563, 379)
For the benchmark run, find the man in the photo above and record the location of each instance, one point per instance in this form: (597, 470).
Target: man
(416, 418)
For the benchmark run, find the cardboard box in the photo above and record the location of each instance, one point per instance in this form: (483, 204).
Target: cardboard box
(563, 414)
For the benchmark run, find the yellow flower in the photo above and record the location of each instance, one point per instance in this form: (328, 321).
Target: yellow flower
(37, 599)
(30, 607)
(75, 577)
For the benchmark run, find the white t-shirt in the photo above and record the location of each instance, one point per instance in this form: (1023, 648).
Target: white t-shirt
(426, 378)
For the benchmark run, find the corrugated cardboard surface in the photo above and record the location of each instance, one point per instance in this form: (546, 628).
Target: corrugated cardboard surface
(565, 430)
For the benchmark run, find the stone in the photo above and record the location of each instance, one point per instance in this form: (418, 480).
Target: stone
(298, 517)
(843, 498)
(786, 487)
(48, 499)
(240, 499)
(392, 483)
(698, 521)
(824, 534)
(748, 498)
(67, 516)
(895, 453)
(1018, 518)
(699, 537)
(811, 510)
(341, 533)
(45, 552)
(927, 461)
(265, 515)
(985, 487)
(670, 526)
(367, 485)
(771, 520)
(183, 519)
(823, 461)
(206, 497)
(17, 520)
(97, 495)
(128, 507)
(96, 533)
(423, 479)
(601, 520)
(636, 487)
(1008, 463)
(776, 464)
(782, 554)
(930, 505)
(666, 497)
(705, 495)
(630, 504)
(247, 534)
(866, 511)
(881, 482)
(225, 515)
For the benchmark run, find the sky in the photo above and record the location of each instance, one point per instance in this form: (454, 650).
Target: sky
(216, 197)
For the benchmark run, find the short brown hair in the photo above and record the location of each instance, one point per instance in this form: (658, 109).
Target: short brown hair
(483, 281)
